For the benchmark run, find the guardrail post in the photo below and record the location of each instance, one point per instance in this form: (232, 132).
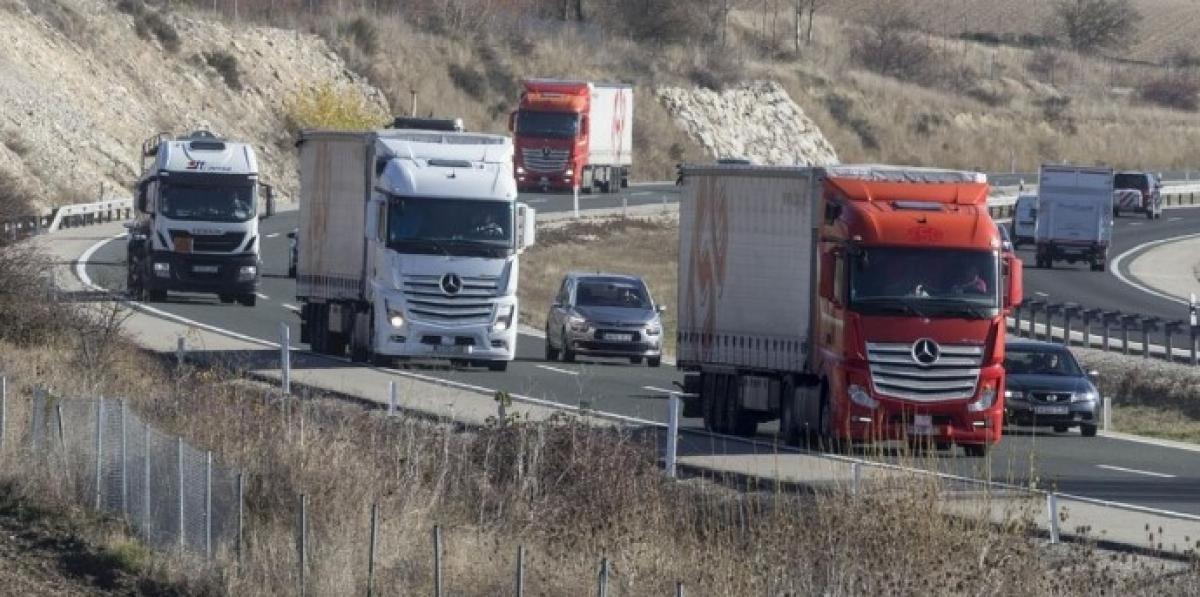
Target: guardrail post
(1149, 324)
(1034, 306)
(575, 199)
(1017, 319)
(1051, 311)
(1088, 316)
(1170, 329)
(1052, 510)
(1069, 311)
(1107, 414)
(391, 411)
(1125, 321)
(855, 477)
(285, 359)
(672, 433)
(1109, 318)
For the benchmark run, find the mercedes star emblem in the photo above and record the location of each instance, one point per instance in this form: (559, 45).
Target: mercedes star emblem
(926, 351)
(451, 284)
(545, 152)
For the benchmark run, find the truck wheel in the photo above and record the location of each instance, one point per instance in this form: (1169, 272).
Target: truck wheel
(977, 450)
(225, 298)
(336, 343)
(155, 295)
(789, 424)
(567, 354)
(319, 328)
(739, 421)
(551, 352)
(1088, 430)
(248, 300)
(653, 361)
(1061, 428)
(708, 401)
(497, 366)
(635, 360)
(714, 404)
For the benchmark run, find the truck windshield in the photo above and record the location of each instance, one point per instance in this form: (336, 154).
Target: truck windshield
(554, 125)
(208, 203)
(461, 227)
(925, 282)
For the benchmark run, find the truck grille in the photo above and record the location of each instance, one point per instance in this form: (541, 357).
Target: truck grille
(473, 304)
(552, 161)
(895, 373)
(1051, 397)
(220, 243)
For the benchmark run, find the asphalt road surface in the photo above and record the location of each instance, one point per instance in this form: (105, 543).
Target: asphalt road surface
(1147, 475)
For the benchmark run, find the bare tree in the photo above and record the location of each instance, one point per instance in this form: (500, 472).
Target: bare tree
(1097, 24)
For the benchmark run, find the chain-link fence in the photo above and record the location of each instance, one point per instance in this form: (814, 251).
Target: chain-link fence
(171, 494)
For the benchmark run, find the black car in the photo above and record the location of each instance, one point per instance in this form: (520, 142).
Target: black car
(1047, 388)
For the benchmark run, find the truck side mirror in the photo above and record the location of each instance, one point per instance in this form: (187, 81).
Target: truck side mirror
(512, 121)
(268, 202)
(583, 125)
(828, 265)
(139, 196)
(526, 226)
(1015, 290)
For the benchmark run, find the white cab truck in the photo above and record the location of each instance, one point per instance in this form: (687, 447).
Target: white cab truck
(408, 245)
(1075, 215)
(196, 225)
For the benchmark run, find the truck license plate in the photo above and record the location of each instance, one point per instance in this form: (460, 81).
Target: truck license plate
(619, 337)
(1050, 410)
(450, 349)
(922, 425)
(204, 269)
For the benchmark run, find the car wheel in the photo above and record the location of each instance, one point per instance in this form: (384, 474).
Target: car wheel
(1061, 428)
(568, 355)
(1088, 430)
(155, 296)
(654, 361)
(248, 300)
(551, 352)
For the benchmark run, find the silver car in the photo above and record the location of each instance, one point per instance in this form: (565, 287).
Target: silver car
(604, 315)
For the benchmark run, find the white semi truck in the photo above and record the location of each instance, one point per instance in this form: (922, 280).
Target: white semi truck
(408, 245)
(196, 228)
(1075, 215)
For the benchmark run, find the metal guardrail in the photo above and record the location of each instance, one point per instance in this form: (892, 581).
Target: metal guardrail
(67, 216)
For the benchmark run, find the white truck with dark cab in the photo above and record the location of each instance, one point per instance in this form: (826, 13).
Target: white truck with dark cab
(408, 245)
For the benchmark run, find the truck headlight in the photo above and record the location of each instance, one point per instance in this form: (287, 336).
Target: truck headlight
(247, 272)
(395, 316)
(162, 269)
(520, 170)
(504, 318)
(577, 323)
(862, 397)
(568, 173)
(986, 399)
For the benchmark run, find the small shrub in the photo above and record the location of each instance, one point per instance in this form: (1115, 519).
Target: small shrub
(363, 33)
(469, 80)
(841, 108)
(329, 107)
(226, 64)
(16, 143)
(131, 7)
(148, 24)
(1044, 64)
(1175, 92)
(992, 95)
(924, 123)
(892, 46)
(1055, 110)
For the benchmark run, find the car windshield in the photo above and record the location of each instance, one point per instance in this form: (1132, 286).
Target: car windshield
(463, 227)
(208, 203)
(555, 125)
(925, 282)
(1021, 361)
(612, 293)
(1130, 181)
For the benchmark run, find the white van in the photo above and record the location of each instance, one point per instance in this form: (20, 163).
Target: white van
(1024, 220)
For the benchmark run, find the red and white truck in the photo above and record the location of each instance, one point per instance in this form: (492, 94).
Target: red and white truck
(573, 134)
(852, 303)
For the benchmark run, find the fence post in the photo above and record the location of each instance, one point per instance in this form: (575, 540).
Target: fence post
(679, 588)
(437, 560)
(391, 411)
(237, 548)
(575, 198)
(602, 590)
(520, 571)
(672, 434)
(180, 350)
(99, 450)
(285, 358)
(124, 462)
(1170, 329)
(302, 539)
(179, 485)
(1052, 509)
(208, 504)
(146, 479)
(855, 477)
(371, 550)
(3, 408)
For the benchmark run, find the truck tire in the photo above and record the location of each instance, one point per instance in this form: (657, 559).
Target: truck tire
(738, 420)
(1087, 430)
(248, 300)
(653, 361)
(789, 421)
(712, 394)
(497, 366)
(336, 343)
(977, 450)
(157, 295)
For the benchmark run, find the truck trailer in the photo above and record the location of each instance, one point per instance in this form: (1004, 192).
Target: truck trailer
(1075, 215)
(573, 134)
(196, 228)
(408, 245)
(851, 303)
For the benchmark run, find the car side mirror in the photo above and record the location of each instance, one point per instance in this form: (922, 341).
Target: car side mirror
(1093, 374)
(660, 308)
(292, 234)
(512, 121)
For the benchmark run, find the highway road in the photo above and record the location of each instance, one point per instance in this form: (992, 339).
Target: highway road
(1144, 474)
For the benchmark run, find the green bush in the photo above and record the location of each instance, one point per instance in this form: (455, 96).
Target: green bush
(226, 64)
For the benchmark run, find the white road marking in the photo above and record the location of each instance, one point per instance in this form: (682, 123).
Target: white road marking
(557, 370)
(1040, 293)
(536, 201)
(1136, 223)
(262, 296)
(641, 194)
(1116, 268)
(662, 390)
(1174, 219)
(291, 307)
(1134, 471)
(273, 235)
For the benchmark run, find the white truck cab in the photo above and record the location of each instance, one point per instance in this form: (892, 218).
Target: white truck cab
(408, 245)
(197, 213)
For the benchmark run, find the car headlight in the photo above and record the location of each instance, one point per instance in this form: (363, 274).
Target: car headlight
(1014, 394)
(1083, 396)
(862, 397)
(654, 329)
(162, 269)
(395, 316)
(504, 318)
(986, 399)
(577, 323)
(247, 272)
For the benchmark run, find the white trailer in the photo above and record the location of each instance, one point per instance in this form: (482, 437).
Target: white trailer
(1075, 215)
(408, 244)
(610, 120)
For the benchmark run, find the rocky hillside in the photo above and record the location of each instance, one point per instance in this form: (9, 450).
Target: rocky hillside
(84, 82)
(756, 120)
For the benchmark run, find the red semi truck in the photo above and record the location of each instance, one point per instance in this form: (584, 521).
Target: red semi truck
(852, 303)
(573, 133)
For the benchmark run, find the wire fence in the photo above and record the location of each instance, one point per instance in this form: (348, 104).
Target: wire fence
(109, 459)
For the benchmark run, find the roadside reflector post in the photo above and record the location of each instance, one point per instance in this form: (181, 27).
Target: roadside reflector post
(855, 477)
(1149, 324)
(1052, 510)
(1107, 414)
(285, 359)
(391, 411)
(180, 350)
(672, 433)
(1195, 325)
(575, 198)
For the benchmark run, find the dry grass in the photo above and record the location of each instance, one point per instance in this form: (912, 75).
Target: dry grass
(648, 248)
(1156, 422)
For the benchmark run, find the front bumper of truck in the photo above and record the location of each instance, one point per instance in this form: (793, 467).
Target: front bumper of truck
(201, 272)
(398, 334)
